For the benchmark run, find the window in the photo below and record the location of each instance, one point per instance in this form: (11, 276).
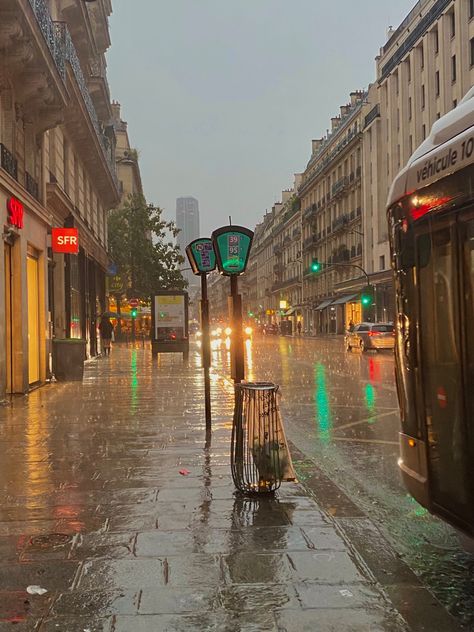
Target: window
(410, 109)
(471, 9)
(438, 116)
(410, 144)
(452, 23)
(437, 84)
(453, 68)
(422, 56)
(472, 50)
(423, 97)
(423, 131)
(455, 103)
(382, 262)
(408, 63)
(436, 40)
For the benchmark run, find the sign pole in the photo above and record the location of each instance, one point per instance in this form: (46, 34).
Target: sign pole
(206, 351)
(237, 342)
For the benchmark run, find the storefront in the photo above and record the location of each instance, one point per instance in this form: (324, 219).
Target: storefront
(23, 291)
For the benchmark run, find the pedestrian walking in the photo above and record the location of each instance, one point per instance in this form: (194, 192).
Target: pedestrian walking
(351, 326)
(298, 327)
(106, 333)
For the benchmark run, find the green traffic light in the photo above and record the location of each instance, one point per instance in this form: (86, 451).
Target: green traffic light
(134, 312)
(365, 300)
(315, 266)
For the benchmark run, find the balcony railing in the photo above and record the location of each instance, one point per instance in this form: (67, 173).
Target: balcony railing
(340, 185)
(372, 115)
(8, 161)
(62, 49)
(70, 55)
(31, 185)
(47, 27)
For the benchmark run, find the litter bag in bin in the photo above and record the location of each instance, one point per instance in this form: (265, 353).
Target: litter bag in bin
(261, 459)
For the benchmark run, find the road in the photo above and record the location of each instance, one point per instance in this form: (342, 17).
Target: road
(341, 412)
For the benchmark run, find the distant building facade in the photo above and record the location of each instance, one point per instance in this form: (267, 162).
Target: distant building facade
(187, 220)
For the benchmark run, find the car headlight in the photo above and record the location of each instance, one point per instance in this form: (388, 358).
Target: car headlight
(214, 332)
(228, 331)
(218, 331)
(199, 334)
(248, 331)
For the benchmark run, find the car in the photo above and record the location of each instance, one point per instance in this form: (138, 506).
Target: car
(270, 329)
(366, 336)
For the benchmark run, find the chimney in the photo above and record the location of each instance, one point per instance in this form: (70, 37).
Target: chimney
(344, 110)
(316, 145)
(116, 110)
(356, 97)
(335, 122)
(286, 195)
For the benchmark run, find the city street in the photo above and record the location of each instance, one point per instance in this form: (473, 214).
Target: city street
(112, 504)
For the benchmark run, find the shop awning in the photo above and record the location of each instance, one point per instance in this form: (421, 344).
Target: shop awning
(347, 298)
(324, 304)
(290, 312)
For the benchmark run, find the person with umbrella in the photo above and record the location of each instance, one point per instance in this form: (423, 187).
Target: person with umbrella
(106, 332)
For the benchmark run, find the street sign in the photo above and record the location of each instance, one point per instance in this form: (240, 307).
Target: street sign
(115, 284)
(65, 240)
(232, 247)
(201, 255)
(133, 302)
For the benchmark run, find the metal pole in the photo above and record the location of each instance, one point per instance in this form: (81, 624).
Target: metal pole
(206, 352)
(237, 343)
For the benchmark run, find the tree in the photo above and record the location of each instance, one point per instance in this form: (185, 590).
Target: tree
(139, 245)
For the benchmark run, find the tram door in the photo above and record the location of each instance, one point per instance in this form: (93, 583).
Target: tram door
(442, 374)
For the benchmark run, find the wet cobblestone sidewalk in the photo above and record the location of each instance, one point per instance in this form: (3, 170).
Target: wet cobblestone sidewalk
(93, 509)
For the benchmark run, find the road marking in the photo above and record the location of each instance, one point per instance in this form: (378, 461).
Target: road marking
(364, 421)
(365, 440)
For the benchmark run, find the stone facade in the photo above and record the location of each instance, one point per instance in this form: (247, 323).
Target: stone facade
(57, 160)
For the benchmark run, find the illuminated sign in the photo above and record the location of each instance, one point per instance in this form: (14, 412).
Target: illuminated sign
(201, 255)
(15, 212)
(65, 240)
(283, 304)
(232, 247)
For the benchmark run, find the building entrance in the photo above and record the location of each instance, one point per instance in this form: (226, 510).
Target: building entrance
(33, 318)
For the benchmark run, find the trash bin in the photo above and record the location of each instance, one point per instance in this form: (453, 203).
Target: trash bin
(68, 359)
(260, 458)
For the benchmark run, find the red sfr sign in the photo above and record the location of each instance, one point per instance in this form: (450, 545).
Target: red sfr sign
(65, 240)
(15, 212)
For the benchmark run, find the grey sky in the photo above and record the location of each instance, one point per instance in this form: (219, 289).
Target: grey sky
(223, 97)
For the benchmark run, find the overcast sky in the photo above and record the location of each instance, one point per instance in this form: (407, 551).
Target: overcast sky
(223, 97)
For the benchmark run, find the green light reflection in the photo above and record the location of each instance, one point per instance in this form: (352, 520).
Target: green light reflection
(370, 398)
(323, 409)
(134, 382)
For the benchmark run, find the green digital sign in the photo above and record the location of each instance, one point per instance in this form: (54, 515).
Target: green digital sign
(232, 247)
(201, 255)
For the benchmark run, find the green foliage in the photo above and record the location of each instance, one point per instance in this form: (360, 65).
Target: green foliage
(139, 246)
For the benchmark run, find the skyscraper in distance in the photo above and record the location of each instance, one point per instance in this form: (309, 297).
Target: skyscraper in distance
(187, 220)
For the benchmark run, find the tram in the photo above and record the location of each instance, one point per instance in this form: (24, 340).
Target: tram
(431, 227)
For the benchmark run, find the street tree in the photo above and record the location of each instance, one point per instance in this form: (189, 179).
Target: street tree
(140, 246)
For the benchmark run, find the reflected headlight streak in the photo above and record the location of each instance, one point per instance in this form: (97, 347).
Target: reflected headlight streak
(228, 331)
(248, 331)
(199, 334)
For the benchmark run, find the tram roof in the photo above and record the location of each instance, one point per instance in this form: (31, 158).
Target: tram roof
(435, 157)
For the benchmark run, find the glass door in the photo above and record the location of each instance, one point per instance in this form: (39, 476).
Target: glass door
(33, 320)
(8, 318)
(441, 363)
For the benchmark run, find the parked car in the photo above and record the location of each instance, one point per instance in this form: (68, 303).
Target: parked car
(271, 329)
(367, 336)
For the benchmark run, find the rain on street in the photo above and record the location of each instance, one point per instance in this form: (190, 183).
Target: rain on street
(341, 412)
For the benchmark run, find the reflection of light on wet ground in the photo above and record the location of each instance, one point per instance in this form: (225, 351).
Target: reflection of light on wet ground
(249, 357)
(285, 365)
(134, 381)
(227, 343)
(323, 410)
(370, 398)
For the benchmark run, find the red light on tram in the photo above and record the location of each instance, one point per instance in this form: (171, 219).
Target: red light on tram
(420, 207)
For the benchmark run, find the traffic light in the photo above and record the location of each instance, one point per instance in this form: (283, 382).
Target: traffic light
(315, 266)
(134, 312)
(367, 296)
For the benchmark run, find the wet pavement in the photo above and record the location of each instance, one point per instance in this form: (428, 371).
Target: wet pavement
(94, 509)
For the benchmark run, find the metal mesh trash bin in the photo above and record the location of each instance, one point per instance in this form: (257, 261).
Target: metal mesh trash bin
(260, 459)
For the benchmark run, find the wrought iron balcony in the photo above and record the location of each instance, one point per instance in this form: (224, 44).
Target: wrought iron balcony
(8, 161)
(340, 185)
(47, 27)
(63, 38)
(31, 185)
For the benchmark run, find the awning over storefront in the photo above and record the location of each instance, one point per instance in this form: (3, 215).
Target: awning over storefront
(324, 304)
(347, 298)
(290, 312)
